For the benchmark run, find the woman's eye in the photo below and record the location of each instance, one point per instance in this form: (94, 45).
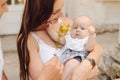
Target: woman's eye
(2, 5)
(56, 11)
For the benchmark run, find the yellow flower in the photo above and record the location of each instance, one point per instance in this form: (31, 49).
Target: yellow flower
(62, 32)
(64, 28)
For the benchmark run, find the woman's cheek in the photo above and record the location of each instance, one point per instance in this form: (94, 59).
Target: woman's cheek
(53, 32)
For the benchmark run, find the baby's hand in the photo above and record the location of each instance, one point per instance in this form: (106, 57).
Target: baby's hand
(91, 30)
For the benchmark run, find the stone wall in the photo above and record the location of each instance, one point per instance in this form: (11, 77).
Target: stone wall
(109, 65)
(119, 36)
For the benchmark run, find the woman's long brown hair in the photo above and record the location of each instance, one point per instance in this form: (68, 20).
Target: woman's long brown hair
(35, 12)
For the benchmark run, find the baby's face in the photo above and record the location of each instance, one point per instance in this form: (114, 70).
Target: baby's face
(79, 32)
(80, 28)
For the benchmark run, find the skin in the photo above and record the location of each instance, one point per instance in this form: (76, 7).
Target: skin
(48, 35)
(3, 7)
(83, 70)
(38, 70)
(4, 77)
(81, 29)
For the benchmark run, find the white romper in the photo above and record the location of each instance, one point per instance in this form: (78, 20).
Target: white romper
(74, 48)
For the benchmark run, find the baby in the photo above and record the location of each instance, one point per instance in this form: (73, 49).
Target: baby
(78, 41)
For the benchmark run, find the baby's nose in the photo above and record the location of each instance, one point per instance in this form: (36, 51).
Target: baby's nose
(78, 29)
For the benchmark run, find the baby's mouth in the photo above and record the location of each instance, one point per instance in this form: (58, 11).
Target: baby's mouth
(78, 34)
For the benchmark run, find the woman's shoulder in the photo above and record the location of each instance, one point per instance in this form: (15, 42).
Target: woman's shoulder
(31, 42)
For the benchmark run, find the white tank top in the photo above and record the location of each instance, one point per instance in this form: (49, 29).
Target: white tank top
(46, 52)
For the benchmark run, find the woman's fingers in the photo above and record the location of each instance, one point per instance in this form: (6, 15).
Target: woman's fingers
(54, 60)
(56, 68)
(59, 67)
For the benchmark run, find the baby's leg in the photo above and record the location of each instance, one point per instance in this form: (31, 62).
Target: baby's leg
(93, 74)
(71, 64)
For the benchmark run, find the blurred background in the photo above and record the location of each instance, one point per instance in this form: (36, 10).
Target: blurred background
(104, 13)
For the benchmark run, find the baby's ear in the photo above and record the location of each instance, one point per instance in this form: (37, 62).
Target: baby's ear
(91, 29)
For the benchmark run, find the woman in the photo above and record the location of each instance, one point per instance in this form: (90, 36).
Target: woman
(3, 9)
(36, 43)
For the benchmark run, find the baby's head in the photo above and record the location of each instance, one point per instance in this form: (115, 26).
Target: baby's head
(81, 27)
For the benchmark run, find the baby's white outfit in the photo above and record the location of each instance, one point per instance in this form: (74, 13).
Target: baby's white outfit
(74, 48)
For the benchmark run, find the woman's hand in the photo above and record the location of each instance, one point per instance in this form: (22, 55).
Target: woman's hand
(81, 72)
(84, 69)
(52, 70)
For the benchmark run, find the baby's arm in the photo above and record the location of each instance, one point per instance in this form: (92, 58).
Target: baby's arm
(91, 40)
(91, 43)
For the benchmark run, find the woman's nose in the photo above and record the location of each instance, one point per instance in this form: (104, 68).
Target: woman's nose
(5, 7)
(60, 14)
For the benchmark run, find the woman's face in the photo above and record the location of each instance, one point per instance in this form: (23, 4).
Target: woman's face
(58, 6)
(3, 7)
(54, 26)
(57, 9)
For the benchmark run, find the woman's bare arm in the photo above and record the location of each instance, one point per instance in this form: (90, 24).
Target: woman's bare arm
(4, 77)
(52, 70)
(82, 71)
(36, 64)
(96, 54)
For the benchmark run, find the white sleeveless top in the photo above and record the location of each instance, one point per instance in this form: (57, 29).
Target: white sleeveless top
(46, 52)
